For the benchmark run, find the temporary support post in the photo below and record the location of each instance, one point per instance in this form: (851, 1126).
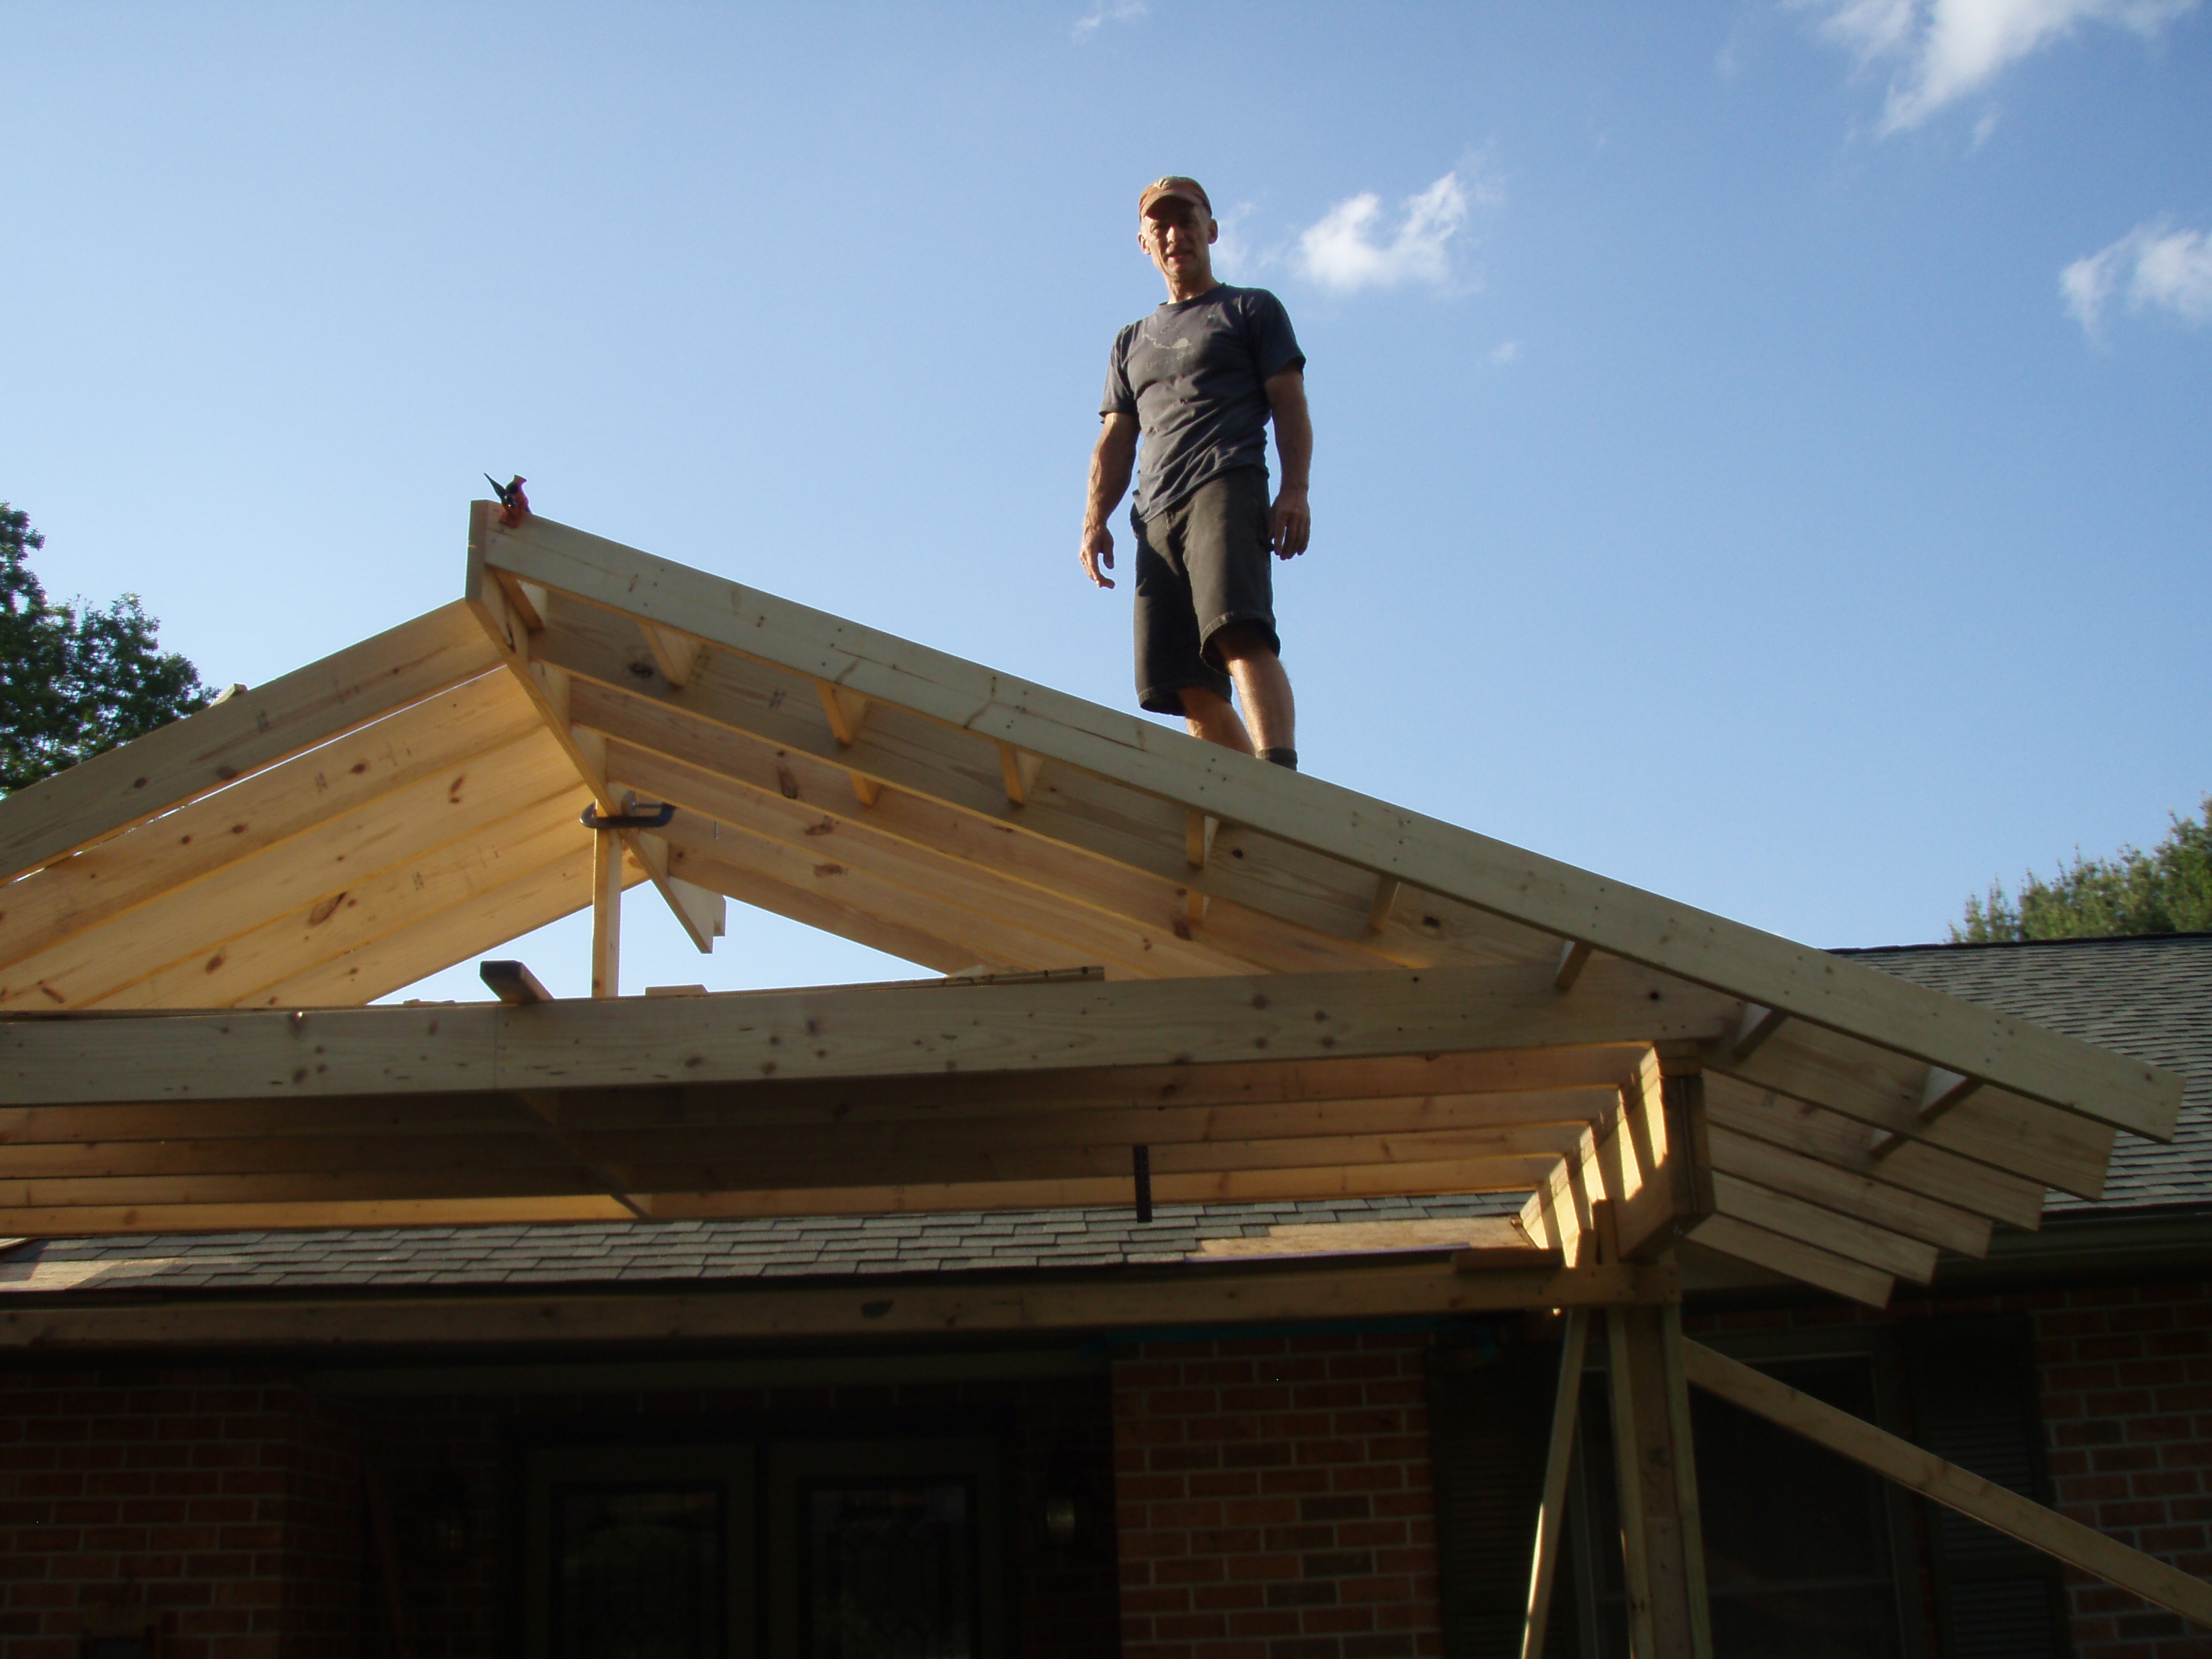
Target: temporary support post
(606, 912)
(1664, 1551)
(1551, 1514)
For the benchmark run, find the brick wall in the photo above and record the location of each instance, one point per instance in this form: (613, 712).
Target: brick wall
(1275, 1500)
(221, 1498)
(233, 1502)
(2127, 1409)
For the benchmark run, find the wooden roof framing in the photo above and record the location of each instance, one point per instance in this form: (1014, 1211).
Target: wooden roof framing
(1349, 999)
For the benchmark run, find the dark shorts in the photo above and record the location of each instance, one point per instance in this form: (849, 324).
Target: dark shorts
(1201, 564)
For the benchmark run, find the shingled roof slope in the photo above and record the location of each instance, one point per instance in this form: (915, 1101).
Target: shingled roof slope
(2147, 996)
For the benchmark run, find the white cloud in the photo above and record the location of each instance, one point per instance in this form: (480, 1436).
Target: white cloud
(2155, 267)
(1505, 351)
(1349, 248)
(1946, 49)
(1103, 12)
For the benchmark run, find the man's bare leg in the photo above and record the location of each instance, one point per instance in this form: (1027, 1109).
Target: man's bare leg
(1261, 686)
(1212, 719)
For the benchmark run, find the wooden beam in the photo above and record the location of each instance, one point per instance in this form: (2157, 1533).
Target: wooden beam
(1759, 1023)
(1574, 957)
(460, 800)
(1942, 1090)
(1222, 1103)
(1141, 1299)
(675, 654)
(1056, 898)
(489, 919)
(1551, 1508)
(1840, 1142)
(845, 710)
(486, 593)
(1882, 1091)
(110, 792)
(607, 914)
(2055, 1534)
(1846, 1192)
(1483, 1233)
(1656, 1475)
(1651, 1162)
(513, 984)
(293, 797)
(1386, 899)
(1018, 769)
(1619, 921)
(704, 913)
(1792, 1258)
(848, 1035)
(1840, 1235)
(241, 972)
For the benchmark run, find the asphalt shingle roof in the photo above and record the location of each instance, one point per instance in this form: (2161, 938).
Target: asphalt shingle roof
(2151, 998)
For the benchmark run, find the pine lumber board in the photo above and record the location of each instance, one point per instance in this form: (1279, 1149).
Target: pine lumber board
(1358, 1238)
(196, 920)
(293, 797)
(2082, 1547)
(1778, 1252)
(840, 1034)
(666, 1111)
(831, 913)
(806, 1191)
(1041, 1118)
(1842, 1142)
(93, 1221)
(1224, 1187)
(503, 606)
(1078, 1144)
(1016, 926)
(752, 724)
(1191, 1295)
(1839, 1234)
(1848, 1195)
(108, 793)
(1882, 1091)
(1707, 950)
(488, 920)
(381, 903)
(1147, 925)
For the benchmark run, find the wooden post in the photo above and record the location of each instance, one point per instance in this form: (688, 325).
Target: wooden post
(606, 912)
(1551, 1514)
(1664, 1554)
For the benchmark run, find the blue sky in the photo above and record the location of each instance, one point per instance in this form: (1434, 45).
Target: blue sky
(1761, 450)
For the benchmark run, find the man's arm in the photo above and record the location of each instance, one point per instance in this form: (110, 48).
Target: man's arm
(1291, 522)
(1112, 459)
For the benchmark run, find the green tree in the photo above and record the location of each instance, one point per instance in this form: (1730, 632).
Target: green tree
(2167, 890)
(76, 679)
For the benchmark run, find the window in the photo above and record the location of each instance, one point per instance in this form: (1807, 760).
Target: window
(816, 1549)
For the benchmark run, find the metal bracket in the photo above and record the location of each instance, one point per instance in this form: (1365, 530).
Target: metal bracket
(657, 818)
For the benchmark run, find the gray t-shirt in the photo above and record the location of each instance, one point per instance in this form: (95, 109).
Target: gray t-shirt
(1194, 374)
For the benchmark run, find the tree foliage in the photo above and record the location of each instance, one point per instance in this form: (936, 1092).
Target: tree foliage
(2167, 890)
(76, 679)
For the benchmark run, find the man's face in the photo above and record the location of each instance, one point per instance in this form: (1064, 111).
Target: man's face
(1177, 234)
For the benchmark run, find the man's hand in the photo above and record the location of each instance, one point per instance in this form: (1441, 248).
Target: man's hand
(1289, 523)
(1098, 551)
(1112, 460)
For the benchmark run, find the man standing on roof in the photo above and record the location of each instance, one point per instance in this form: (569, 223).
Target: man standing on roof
(1199, 379)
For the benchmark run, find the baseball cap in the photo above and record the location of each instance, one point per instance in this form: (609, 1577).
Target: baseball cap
(1174, 184)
